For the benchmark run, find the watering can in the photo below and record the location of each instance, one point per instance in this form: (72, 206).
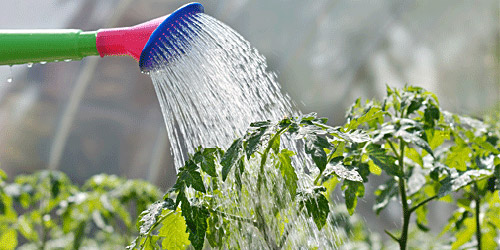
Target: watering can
(140, 41)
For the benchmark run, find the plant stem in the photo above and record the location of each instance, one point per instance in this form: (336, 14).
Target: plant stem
(478, 221)
(404, 200)
(422, 203)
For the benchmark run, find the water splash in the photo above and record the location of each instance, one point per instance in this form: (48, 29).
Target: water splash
(209, 93)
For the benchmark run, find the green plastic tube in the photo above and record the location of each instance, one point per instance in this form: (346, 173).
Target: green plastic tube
(33, 46)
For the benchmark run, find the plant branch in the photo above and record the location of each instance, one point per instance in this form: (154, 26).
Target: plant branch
(478, 222)
(422, 203)
(393, 149)
(404, 200)
(392, 235)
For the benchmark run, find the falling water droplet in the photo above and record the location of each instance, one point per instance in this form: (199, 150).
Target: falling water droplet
(43, 63)
(29, 65)
(67, 60)
(9, 79)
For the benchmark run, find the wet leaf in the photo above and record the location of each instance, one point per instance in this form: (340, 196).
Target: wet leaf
(230, 157)
(456, 180)
(173, 230)
(196, 221)
(342, 172)
(315, 146)
(316, 206)
(382, 159)
(208, 161)
(288, 171)
(191, 177)
(352, 190)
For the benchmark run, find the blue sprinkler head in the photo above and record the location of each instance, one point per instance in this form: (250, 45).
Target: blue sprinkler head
(168, 39)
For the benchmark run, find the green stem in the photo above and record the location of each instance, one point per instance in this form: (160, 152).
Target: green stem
(422, 203)
(478, 222)
(404, 200)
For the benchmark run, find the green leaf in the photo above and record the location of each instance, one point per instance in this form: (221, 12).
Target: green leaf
(436, 137)
(230, 157)
(382, 159)
(8, 239)
(252, 140)
(316, 206)
(431, 115)
(384, 195)
(288, 171)
(352, 190)
(413, 155)
(456, 180)
(191, 177)
(196, 221)
(208, 161)
(173, 231)
(374, 169)
(459, 157)
(315, 146)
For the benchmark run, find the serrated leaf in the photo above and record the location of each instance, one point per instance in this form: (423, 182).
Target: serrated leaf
(196, 221)
(342, 172)
(191, 177)
(458, 157)
(384, 195)
(382, 159)
(288, 171)
(252, 141)
(173, 230)
(315, 146)
(456, 180)
(208, 162)
(352, 190)
(316, 206)
(149, 217)
(414, 138)
(436, 137)
(230, 157)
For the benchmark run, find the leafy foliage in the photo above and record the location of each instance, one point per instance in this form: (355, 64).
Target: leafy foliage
(246, 168)
(44, 207)
(428, 154)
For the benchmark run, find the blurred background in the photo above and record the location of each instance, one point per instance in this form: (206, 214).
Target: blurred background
(101, 115)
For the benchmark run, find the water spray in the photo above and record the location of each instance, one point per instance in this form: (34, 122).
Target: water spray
(139, 41)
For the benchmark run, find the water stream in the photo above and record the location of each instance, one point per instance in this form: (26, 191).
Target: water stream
(209, 94)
